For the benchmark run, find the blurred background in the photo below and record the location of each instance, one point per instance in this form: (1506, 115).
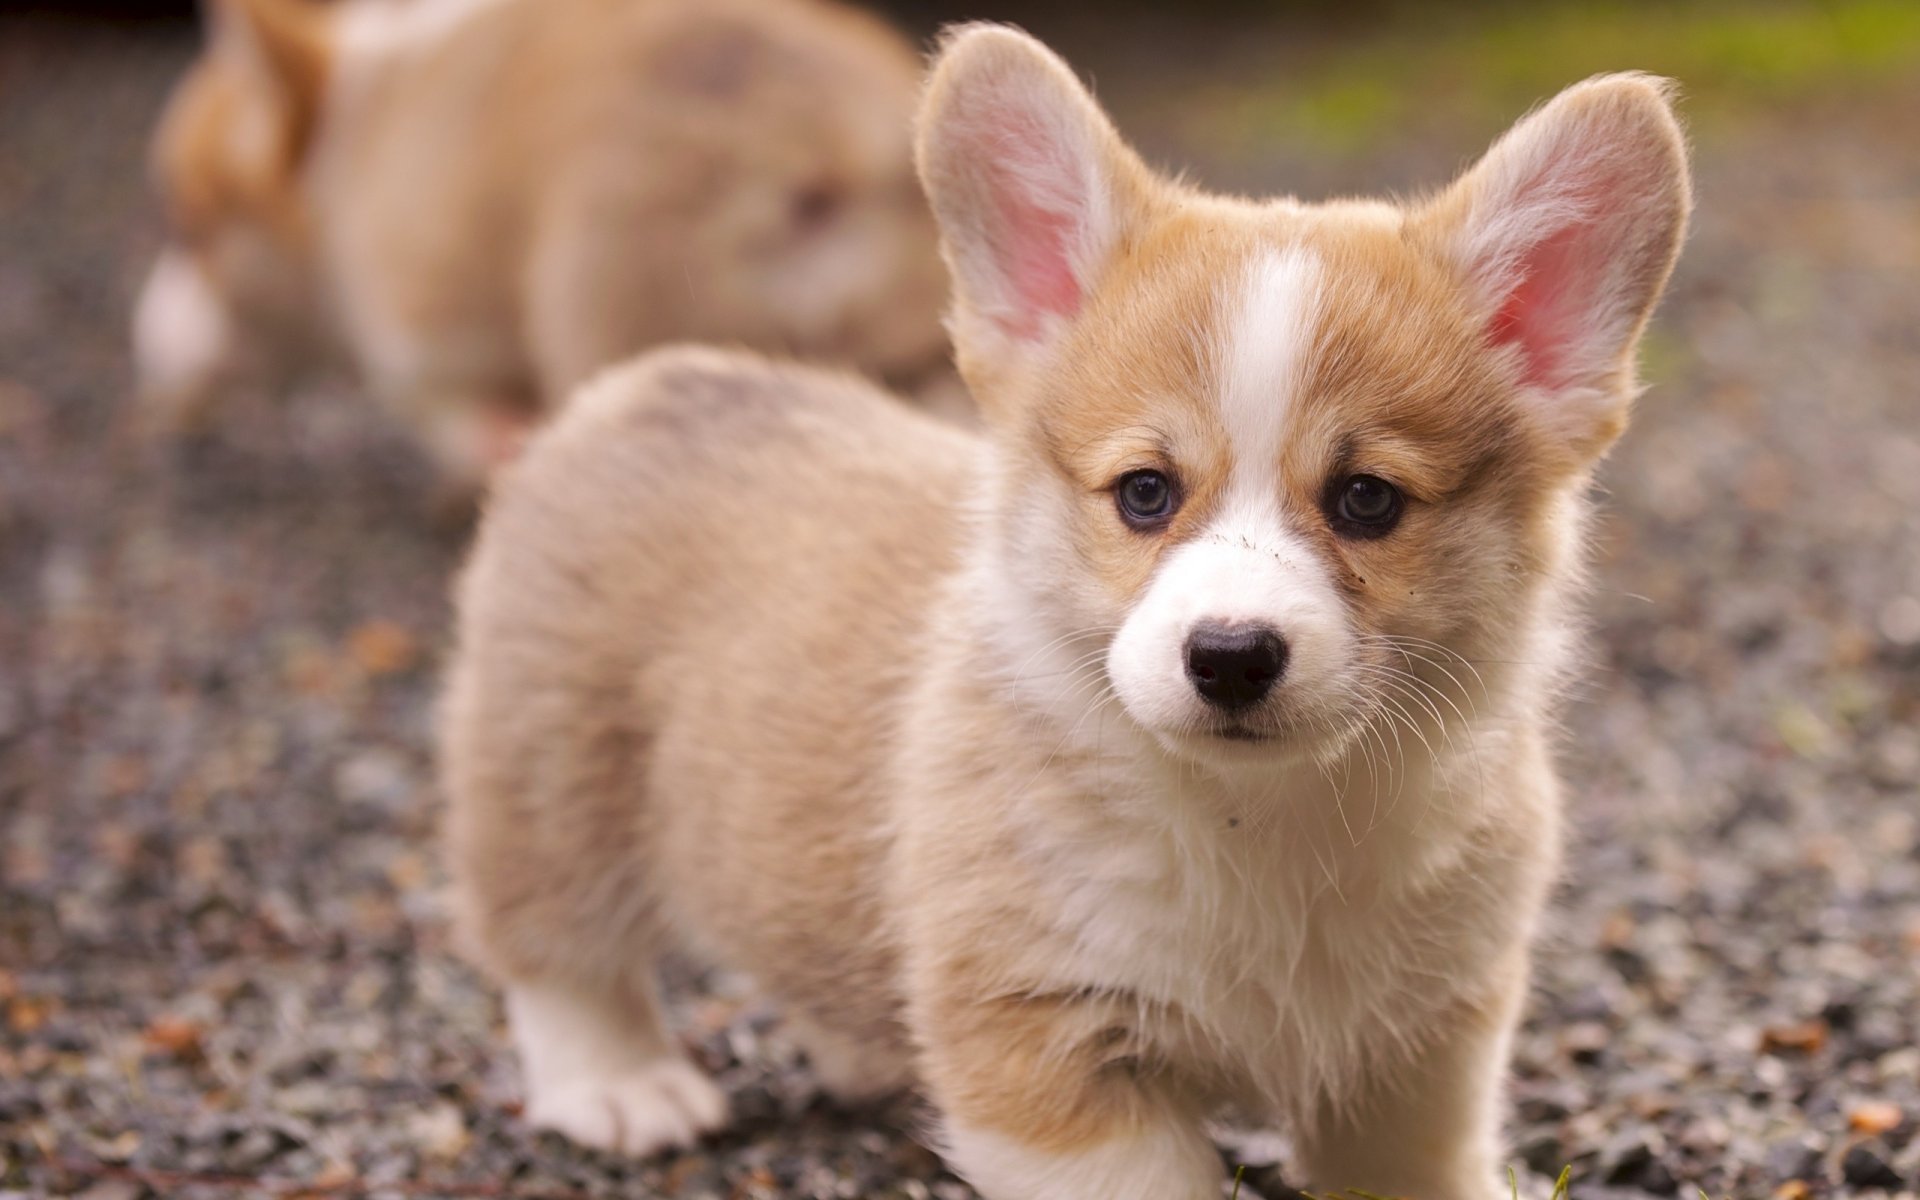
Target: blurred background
(222, 956)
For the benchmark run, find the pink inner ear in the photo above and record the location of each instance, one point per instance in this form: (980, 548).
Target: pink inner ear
(1541, 316)
(1558, 312)
(1037, 264)
(1036, 216)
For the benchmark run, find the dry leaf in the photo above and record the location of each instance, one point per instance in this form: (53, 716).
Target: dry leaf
(1800, 1037)
(337, 1173)
(383, 648)
(26, 1014)
(126, 774)
(118, 1148)
(1618, 929)
(201, 860)
(407, 872)
(308, 671)
(1583, 1039)
(174, 1035)
(117, 844)
(1875, 1117)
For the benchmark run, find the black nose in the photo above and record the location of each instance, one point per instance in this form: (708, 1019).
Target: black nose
(1233, 666)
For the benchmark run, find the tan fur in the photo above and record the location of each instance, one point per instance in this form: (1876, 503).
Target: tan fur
(484, 201)
(594, 705)
(206, 177)
(753, 662)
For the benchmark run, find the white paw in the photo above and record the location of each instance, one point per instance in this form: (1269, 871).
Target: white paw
(183, 343)
(649, 1108)
(853, 1072)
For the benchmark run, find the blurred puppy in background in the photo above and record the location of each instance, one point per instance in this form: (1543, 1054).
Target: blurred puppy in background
(1183, 744)
(481, 202)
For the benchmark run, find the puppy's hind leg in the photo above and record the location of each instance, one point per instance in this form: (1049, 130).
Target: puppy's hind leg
(601, 1068)
(853, 1071)
(553, 838)
(469, 440)
(551, 899)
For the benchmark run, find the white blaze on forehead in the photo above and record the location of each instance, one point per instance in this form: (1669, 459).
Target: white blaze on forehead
(1265, 349)
(1246, 567)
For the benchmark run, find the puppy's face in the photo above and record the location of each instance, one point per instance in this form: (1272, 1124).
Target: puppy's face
(235, 274)
(1327, 482)
(1279, 475)
(798, 208)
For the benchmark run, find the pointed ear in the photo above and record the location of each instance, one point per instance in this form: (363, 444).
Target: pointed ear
(1031, 187)
(284, 49)
(1566, 232)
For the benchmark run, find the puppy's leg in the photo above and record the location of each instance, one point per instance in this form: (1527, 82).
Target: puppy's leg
(601, 1069)
(186, 348)
(1169, 1159)
(852, 1071)
(545, 764)
(1428, 1128)
(470, 439)
(1043, 1100)
(468, 443)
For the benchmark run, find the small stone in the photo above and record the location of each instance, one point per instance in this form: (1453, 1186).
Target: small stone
(202, 860)
(334, 1177)
(1900, 620)
(118, 1148)
(1803, 731)
(1864, 1167)
(1584, 1041)
(377, 777)
(441, 1132)
(1543, 1153)
(1840, 1015)
(1894, 757)
(1617, 930)
(1794, 1160)
(1634, 1161)
(252, 1149)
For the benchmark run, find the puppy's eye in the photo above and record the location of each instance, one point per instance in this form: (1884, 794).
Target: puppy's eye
(1366, 506)
(815, 206)
(1145, 498)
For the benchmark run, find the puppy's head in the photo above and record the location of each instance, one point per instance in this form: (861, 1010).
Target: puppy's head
(227, 160)
(785, 143)
(1276, 474)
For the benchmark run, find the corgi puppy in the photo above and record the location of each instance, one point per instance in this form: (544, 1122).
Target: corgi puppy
(482, 202)
(1180, 744)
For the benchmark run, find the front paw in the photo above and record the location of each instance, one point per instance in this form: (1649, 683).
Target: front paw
(853, 1071)
(663, 1104)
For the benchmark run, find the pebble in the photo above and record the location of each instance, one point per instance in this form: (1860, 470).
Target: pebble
(1865, 1167)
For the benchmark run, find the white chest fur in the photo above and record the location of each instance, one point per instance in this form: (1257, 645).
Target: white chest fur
(1301, 931)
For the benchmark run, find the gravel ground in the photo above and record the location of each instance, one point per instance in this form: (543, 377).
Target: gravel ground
(222, 960)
